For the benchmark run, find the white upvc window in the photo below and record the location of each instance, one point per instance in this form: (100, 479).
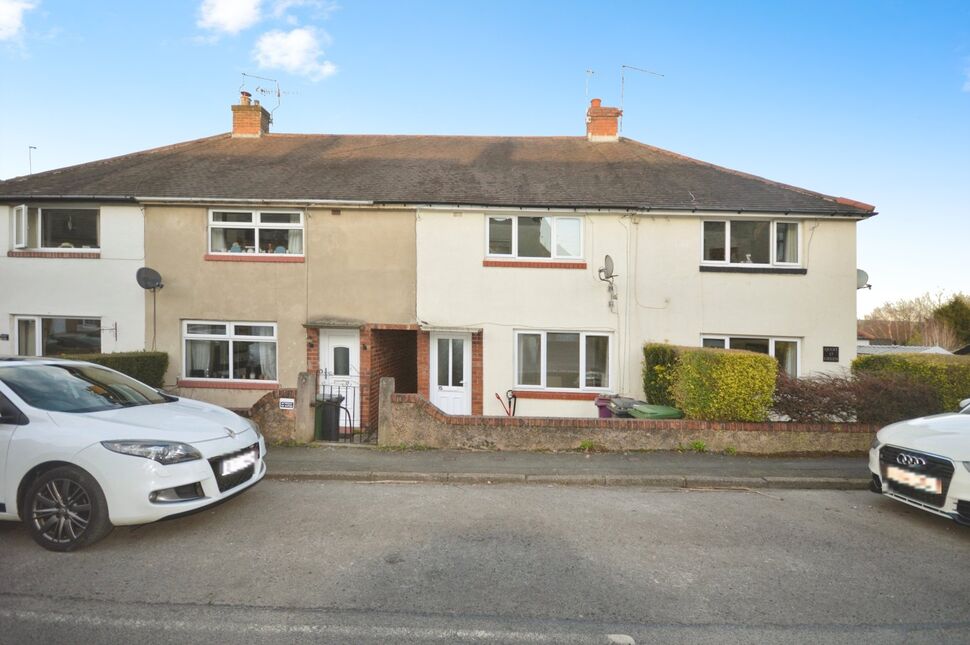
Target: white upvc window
(534, 237)
(20, 226)
(787, 351)
(229, 351)
(751, 242)
(562, 360)
(56, 335)
(259, 232)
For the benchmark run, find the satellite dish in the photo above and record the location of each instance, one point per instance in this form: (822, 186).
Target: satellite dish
(862, 280)
(148, 278)
(606, 273)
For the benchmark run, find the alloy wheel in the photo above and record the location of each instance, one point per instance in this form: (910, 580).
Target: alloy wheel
(61, 511)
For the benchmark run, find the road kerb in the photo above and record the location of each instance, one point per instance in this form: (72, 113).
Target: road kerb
(647, 481)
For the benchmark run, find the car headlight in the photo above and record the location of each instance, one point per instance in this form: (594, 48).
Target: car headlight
(255, 427)
(164, 452)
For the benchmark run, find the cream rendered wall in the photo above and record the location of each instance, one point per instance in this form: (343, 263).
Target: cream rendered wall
(662, 295)
(359, 264)
(104, 288)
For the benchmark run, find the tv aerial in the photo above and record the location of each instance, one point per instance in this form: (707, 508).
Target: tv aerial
(862, 280)
(272, 91)
(606, 275)
(623, 69)
(150, 280)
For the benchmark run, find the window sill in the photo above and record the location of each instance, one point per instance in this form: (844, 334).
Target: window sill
(253, 257)
(736, 268)
(528, 264)
(557, 396)
(72, 255)
(225, 384)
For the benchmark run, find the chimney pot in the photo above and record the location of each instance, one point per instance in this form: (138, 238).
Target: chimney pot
(244, 98)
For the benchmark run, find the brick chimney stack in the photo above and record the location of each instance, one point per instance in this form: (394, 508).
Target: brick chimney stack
(249, 118)
(602, 123)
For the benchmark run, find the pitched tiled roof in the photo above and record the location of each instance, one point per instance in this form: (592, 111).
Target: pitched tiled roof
(483, 171)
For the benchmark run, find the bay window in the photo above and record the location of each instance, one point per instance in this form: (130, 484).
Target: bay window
(265, 232)
(785, 350)
(562, 360)
(529, 237)
(751, 242)
(231, 351)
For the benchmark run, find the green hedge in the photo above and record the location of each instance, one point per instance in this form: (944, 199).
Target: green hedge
(710, 384)
(147, 367)
(659, 361)
(949, 376)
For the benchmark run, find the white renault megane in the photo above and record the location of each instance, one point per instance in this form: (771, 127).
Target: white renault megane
(84, 448)
(925, 463)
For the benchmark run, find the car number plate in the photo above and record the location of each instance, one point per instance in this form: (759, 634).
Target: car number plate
(915, 480)
(232, 465)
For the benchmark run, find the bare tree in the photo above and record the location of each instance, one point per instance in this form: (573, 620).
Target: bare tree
(912, 322)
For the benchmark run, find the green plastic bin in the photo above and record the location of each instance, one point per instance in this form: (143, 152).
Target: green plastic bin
(647, 411)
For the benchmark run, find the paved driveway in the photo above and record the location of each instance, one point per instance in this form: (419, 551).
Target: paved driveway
(347, 562)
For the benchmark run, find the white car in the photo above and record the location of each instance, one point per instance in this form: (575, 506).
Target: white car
(925, 463)
(84, 448)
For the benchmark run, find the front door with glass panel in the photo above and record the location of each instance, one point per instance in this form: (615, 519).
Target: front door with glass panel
(340, 371)
(451, 372)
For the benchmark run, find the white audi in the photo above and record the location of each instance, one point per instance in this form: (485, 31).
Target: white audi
(925, 463)
(84, 448)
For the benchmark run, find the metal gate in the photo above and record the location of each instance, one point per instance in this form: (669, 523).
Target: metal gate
(350, 430)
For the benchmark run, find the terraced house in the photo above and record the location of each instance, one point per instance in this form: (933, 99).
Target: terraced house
(465, 267)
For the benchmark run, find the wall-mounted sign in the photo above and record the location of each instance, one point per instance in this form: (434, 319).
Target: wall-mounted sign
(830, 354)
(287, 404)
(4, 336)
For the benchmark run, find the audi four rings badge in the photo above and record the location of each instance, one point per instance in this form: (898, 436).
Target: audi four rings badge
(909, 460)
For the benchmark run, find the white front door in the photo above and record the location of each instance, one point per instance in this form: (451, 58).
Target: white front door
(451, 372)
(340, 370)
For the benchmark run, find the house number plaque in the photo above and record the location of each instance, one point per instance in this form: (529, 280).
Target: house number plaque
(830, 354)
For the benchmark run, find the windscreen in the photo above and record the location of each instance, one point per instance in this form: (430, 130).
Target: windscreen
(77, 388)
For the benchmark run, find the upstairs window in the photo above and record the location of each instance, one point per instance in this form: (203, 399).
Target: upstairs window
(265, 232)
(751, 243)
(58, 229)
(521, 236)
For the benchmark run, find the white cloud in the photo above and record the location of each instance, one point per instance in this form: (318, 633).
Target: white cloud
(297, 51)
(230, 16)
(12, 17)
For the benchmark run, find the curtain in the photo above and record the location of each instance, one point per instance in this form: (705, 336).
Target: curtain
(295, 242)
(267, 360)
(218, 240)
(200, 355)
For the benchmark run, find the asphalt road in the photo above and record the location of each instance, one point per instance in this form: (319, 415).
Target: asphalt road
(344, 562)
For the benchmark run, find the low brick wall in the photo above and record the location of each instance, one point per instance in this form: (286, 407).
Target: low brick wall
(411, 420)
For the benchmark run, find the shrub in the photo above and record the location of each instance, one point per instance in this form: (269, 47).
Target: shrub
(147, 367)
(659, 361)
(724, 384)
(948, 376)
(867, 398)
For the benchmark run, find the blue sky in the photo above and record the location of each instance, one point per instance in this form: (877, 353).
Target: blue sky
(868, 100)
